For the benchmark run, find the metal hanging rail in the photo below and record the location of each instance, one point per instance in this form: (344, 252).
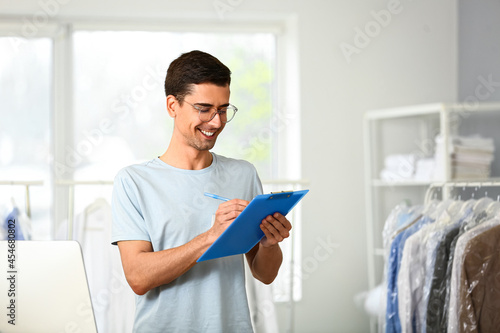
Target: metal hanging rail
(449, 184)
(26, 184)
(71, 197)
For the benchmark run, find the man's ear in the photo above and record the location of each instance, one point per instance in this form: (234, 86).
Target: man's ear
(172, 103)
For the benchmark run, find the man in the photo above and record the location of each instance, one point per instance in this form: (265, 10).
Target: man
(163, 223)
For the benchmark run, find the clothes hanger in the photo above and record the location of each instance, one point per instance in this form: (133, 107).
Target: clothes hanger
(465, 209)
(468, 204)
(454, 208)
(450, 213)
(440, 208)
(430, 207)
(96, 205)
(481, 204)
(493, 209)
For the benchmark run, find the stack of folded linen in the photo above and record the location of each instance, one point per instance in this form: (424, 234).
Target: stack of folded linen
(426, 169)
(471, 157)
(399, 167)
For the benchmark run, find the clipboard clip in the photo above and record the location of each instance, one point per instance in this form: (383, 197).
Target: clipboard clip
(280, 194)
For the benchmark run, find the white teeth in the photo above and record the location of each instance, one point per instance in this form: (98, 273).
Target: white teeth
(207, 133)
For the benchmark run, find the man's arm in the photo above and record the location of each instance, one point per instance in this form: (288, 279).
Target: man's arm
(266, 257)
(146, 269)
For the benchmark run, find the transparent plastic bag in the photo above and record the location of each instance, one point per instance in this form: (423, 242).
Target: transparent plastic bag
(400, 216)
(392, 320)
(474, 302)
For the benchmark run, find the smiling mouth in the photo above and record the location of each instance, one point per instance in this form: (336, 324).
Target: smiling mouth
(207, 133)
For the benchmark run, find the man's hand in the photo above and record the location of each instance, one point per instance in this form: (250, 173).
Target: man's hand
(276, 228)
(265, 258)
(226, 213)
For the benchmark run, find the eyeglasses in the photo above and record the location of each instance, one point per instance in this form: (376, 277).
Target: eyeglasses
(205, 113)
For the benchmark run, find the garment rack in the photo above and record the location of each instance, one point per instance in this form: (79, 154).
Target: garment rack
(27, 185)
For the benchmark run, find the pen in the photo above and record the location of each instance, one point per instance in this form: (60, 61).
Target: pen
(215, 196)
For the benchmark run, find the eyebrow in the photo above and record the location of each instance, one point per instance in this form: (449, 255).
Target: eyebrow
(211, 105)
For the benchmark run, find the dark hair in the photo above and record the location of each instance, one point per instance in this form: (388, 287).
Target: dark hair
(194, 67)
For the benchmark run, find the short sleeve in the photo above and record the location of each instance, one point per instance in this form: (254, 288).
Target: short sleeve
(128, 221)
(257, 184)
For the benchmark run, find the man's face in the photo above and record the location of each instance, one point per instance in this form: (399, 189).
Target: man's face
(195, 133)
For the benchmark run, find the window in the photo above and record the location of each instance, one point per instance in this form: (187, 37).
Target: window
(25, 91)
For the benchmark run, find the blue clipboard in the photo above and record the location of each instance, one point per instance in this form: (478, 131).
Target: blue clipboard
(244, 232)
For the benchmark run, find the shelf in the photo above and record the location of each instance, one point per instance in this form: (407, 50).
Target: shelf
(413, 129)
(429, 109)
(408, 111)
(484, 182)
(409, 182)
(456, 182)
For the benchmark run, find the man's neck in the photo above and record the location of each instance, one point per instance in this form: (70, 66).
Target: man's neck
(189, 159)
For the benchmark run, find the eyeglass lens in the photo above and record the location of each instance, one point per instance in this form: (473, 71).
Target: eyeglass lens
(225, 114)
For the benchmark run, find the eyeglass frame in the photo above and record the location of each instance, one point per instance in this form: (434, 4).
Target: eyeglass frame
(197, 108)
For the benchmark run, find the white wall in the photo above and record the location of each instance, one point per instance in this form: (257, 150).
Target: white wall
(412, 59)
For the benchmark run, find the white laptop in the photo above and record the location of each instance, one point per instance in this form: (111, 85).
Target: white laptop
(43, 288)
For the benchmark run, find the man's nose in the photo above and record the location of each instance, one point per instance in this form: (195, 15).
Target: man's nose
(216, 119)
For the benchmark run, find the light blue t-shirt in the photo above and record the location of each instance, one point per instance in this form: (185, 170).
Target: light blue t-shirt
(156, 202)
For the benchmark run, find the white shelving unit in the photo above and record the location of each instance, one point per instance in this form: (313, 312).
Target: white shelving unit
(412, 130)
